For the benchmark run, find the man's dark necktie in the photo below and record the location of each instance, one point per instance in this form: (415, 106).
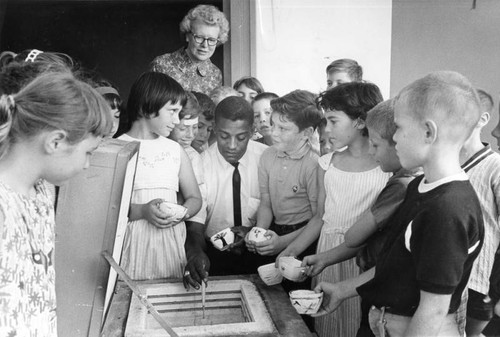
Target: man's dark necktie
(236, 195)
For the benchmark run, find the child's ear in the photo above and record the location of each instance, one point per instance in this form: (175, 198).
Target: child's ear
(308, 132)
(360, 124)
(55, 141)
(431, 131)
(484, 119)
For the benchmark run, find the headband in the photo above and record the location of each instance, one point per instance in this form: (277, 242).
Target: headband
(107, 90)
(191, 121)
(32, 55)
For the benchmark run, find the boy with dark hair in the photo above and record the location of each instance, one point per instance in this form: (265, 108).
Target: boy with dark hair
(438, 231)
(288, 172)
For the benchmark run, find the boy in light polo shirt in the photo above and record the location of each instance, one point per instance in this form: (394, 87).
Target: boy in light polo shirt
(288, 172)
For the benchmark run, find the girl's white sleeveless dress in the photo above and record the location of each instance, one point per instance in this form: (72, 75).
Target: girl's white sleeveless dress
(148, 251)
(348, 196)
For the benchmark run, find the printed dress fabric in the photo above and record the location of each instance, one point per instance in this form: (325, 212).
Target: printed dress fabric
(201, 76)
(348, 196)
(27, 282)
(150, 252)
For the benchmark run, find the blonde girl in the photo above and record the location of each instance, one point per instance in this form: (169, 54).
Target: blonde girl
(48, 131)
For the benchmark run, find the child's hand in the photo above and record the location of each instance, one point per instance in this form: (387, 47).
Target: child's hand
(272, 246)
(155, 216)
(332, 298)
(314, 263)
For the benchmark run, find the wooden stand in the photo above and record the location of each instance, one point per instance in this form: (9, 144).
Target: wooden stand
(285, 319)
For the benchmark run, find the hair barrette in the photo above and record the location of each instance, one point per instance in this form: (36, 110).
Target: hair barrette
(32, 55)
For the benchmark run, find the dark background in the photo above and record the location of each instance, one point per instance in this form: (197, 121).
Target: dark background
(118, 39)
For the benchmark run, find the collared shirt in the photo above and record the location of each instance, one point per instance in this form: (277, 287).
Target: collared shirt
(483, 169)
(201, 76)
(291, 181)
(218, 180)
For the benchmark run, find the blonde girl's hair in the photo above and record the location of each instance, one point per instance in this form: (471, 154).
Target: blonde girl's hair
(54, 101)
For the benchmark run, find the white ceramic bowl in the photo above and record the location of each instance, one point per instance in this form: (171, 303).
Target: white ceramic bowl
(221, 240)
(306, 302)
(291, 269)
(270, 274)
(257, 234)
(172, 210)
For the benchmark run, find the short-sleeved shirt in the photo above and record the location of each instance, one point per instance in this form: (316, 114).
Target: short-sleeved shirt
(483, 169)
(218, 179)
(201, 76)
(291, 181)
(388, 201)
(437, 233)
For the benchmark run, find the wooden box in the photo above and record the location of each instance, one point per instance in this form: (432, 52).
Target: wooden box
(91, 215)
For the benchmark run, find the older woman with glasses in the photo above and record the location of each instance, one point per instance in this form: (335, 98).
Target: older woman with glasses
(204, 28)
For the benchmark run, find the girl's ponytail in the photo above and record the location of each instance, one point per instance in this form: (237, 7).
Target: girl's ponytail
(7, 109)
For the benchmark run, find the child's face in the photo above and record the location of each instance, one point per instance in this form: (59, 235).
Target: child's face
(262, 116)
(203, 133)
(285, 133)
(411, 146)
(185, 132)
(336, 78)
(343, 130)
(167, 119)
(383, 152)
(247, 93)
(325, 142)
(115, 113)
(71, 159)
(496, 133)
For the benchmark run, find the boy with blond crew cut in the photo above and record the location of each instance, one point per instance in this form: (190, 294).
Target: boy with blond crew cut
(437, 231)
(288, 172)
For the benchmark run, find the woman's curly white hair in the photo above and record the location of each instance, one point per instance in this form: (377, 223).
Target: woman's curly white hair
(210, 15)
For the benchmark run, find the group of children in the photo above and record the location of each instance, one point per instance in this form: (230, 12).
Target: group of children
(401, 190)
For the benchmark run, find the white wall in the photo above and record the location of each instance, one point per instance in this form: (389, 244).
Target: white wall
(448, 35)
(297, 39)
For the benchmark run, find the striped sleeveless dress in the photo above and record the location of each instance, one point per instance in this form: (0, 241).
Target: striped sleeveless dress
(150, 252)
(348, 196)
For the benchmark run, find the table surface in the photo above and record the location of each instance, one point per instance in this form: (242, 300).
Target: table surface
(286, 320)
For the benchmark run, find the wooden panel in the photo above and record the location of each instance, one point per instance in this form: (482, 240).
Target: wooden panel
(91, 212)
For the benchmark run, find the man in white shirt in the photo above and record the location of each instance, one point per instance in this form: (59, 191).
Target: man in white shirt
(234, 147)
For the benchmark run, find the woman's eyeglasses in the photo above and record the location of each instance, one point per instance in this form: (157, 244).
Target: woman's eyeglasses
(200, 40)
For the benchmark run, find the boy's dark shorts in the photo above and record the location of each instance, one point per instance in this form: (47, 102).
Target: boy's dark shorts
(479, 306)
